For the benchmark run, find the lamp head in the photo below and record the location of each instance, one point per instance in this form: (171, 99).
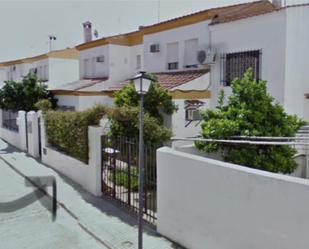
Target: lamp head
(142, 82)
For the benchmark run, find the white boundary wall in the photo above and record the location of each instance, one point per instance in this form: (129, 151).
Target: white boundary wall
(205, 203)
(88, 176)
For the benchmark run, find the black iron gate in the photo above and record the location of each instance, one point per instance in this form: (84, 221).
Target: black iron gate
(120, 174)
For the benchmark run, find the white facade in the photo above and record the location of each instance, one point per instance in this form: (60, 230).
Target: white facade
(194, 37)
(81, 103)
(61, 71)
(119, 63)
(282, 38)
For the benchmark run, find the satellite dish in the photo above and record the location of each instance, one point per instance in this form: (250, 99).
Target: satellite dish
(96, 34)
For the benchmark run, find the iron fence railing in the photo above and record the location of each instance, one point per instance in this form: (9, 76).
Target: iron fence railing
(9, 120)
(120, 174)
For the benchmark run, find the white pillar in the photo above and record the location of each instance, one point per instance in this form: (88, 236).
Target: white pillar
(22, 129)
(33, 133)
(95, 157)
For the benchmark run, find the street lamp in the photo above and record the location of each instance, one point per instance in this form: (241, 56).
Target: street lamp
(142, 83)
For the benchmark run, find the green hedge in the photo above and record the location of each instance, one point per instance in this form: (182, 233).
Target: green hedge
(68, 131)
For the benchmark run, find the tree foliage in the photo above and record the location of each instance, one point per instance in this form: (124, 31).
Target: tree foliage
(125, 116)
(125, 122)
(250, 111)
(156, 101)
(23, 95)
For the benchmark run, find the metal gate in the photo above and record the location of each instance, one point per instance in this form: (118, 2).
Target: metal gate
(120, 174)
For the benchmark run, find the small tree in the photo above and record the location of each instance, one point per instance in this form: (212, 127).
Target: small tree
(124, 118)
(23, 95)
(250, 111)
(156, 102)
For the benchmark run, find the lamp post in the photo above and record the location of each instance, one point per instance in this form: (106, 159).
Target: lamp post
(142, 83)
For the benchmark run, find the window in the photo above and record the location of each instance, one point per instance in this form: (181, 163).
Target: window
(87, 68)
(66, 108)
(154, 48)
(138, 61)
(190, 57)
(235, 65)
(172, 56)
(172, 65)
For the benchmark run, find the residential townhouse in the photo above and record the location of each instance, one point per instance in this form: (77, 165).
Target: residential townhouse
(53, 68)
(170, 50)
(195, 56)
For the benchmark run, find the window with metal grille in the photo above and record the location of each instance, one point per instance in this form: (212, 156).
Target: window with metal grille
(172, 65)
(234, 65)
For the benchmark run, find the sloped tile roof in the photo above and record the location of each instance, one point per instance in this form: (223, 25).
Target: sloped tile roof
(169, 80)
(79, 85)
(242, 11)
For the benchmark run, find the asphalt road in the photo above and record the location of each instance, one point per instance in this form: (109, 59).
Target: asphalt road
(32, 226)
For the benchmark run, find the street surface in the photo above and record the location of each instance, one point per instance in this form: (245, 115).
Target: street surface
(83, 221)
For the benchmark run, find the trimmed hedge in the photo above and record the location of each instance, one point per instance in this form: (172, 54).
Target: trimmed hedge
(68, 131)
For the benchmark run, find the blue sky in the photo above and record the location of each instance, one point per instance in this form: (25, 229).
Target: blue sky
(27, 24)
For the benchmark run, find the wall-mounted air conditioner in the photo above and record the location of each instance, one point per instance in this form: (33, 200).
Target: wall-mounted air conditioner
(155, 48)
(207, 57)
(100, 58)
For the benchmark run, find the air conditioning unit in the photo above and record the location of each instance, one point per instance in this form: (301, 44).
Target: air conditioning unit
(100, 58)
(207, 57)
(193, 114)
(155, 48)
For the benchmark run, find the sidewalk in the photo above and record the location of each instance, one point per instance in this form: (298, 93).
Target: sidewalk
(105, 222)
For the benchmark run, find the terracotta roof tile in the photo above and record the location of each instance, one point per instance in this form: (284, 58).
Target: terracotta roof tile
(243, 11)
(169, 80)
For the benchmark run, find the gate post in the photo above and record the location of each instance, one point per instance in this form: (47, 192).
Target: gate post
(22, 129)
(33, 134)
(95, 157)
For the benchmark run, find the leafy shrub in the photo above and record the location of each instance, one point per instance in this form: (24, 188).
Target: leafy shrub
(23, 95)
(68, 131)
(156, 101)
(44, 105)
(125, 122)
(125, 116)
(250, 111)
(122, 178)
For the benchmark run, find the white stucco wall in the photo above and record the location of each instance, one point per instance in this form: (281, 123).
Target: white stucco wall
(266, 32)
(134, 51)
(87, 175)
(102, 69)
(62, 71)
(297, 64)
(83, 102)
(204, 203)
(178, 120)
(119, 63)
(156, 62)
(3, 76)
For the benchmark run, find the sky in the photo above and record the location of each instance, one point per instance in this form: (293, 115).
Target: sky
(26, 25)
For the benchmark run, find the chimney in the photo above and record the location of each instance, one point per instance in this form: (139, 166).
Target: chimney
(277, 3)
(87, 31)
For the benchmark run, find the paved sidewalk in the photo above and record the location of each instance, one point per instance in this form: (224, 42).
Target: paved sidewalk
(110, 225)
